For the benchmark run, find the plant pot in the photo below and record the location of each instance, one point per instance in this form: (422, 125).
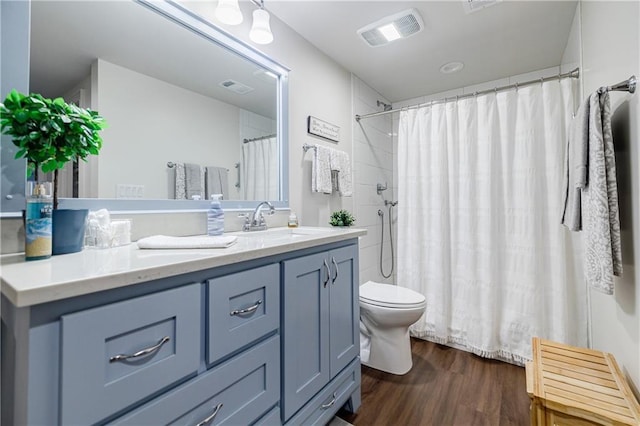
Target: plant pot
(68, 230)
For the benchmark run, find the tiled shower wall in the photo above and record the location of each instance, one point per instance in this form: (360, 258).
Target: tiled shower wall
(373, 160)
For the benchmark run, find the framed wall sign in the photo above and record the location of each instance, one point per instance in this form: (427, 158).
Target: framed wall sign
(321, 128)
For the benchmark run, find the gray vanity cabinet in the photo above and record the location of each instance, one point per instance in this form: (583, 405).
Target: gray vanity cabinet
(266, 341)
(320, 325)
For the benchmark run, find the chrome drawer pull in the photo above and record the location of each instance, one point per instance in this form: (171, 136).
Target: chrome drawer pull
(247, 310)
(330, 403)
(211, 417)
(326, 265)
(333, 260)
(140, 353)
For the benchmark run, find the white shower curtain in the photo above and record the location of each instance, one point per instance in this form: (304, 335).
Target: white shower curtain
(260, 169)
(479, 214)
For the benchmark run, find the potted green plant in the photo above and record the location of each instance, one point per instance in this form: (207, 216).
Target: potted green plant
(341, 218)
(49, 133)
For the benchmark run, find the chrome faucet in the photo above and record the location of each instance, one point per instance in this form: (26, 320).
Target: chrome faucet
(255, 221)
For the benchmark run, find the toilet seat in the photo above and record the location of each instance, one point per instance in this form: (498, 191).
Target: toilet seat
(390, 296)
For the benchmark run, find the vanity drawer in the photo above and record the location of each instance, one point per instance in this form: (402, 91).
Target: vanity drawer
(162, 330)
(242, 308)
(240, 390)
(272, 418)
(328, 401)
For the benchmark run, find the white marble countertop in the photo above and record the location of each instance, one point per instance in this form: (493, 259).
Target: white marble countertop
(92, 270)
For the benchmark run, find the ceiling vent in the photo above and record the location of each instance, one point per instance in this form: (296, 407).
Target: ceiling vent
(471, 6)
(393, 27)
(236, 87)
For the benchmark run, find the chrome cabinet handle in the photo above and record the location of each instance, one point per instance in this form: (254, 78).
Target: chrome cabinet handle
(211, 417)
(326, 265)
(333, 260)
(143, 352)
(246, 310)
(330, 403)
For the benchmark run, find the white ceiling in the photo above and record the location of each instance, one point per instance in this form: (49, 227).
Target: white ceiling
(508, 38)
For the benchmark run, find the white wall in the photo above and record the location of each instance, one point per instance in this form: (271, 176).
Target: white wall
(610, 53)
(373, 164)
(171, 124)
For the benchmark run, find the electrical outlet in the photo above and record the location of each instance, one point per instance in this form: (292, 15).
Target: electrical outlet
(121, 191)
(138, 191)
(129, 191)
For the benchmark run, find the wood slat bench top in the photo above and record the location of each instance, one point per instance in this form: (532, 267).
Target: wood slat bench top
(579, 382)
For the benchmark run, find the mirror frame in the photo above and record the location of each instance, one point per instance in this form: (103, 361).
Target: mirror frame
(201, 27)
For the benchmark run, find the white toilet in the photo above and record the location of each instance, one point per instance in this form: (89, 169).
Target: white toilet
(386, 312)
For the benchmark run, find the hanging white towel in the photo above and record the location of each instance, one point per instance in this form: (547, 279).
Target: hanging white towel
(194, 242)
(340, 162)
(321, 170)
(194, 178)
(603, 252)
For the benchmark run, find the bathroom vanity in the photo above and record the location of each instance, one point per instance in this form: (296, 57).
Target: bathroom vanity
(263, 332)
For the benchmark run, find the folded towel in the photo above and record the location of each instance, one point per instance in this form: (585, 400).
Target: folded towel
(217, 182)
(194, 177)
(194, 242)
(179, 179)
(340, 162)
(603, 253)
(320, 170)
(576, 161)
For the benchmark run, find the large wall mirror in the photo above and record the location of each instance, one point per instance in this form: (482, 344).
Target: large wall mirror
(191, 111)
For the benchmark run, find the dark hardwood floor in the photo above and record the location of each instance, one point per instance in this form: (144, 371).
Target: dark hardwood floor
(445, 387)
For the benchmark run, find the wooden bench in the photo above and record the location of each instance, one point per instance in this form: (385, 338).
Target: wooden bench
(576, 386)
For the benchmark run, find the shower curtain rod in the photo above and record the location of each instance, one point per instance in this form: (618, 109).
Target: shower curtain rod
(260, 138)
(573, 74)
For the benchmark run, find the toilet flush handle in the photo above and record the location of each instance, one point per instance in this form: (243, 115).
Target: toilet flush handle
(333, 260)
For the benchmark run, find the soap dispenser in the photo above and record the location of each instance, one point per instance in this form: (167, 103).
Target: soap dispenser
(293, 220)
(215, 216)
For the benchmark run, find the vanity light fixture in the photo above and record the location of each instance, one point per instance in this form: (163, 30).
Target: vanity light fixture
(228, 12)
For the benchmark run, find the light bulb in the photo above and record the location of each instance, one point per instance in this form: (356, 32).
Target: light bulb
(228, 12)
(260, 31)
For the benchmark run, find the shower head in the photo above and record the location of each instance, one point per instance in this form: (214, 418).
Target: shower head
(387, 107)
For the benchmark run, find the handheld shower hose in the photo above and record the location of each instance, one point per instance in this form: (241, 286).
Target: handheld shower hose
(390, 204)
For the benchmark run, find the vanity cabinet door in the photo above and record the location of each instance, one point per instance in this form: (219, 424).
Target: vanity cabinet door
(305, 332)
(344, 308)
(115, 355)
(320, 326)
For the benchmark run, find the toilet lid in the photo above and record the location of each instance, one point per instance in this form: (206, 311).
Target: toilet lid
(389, 295)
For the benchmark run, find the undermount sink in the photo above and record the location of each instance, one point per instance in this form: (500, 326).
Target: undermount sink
(285, 233)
